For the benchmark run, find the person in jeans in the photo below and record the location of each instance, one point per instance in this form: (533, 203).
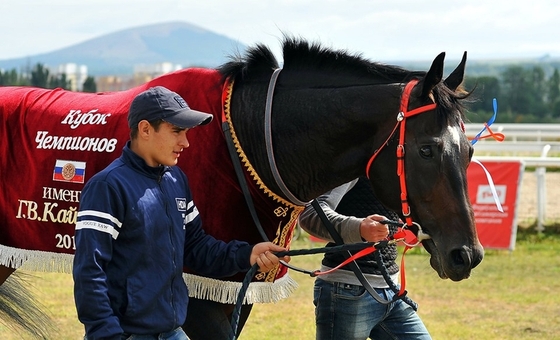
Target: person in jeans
(138, 226)
(344, 310)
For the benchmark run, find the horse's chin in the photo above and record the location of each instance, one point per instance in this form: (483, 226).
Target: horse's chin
(435, 258)
(435, 261)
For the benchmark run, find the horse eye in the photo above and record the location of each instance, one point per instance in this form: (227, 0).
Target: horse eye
(426, 151)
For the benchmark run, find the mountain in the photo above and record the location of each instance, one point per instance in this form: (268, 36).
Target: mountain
(117, 53)
(189, 45)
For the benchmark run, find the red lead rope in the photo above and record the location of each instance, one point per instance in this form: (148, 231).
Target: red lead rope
(398, 236)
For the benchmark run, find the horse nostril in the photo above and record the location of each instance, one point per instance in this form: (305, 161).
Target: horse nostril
(461, 257)
(462, 260)
(457, 258)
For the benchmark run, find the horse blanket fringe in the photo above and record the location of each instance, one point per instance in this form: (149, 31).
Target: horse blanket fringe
(53, 141)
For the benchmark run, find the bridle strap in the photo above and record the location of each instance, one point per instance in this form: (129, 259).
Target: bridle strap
(268, 141)
(242, 180)
(403, 114)
(400, 148)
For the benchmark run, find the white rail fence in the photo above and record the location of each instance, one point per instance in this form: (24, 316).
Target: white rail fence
(518, 132)
(524, 139)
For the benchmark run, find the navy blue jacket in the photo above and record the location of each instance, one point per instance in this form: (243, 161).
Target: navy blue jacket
(137, 227)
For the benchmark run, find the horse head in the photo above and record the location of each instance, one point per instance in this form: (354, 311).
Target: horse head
(436, 156)
(332, 110)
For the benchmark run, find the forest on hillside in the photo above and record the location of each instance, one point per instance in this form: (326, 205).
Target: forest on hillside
(524, 95)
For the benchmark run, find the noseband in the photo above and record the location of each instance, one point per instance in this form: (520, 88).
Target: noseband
(403, 114)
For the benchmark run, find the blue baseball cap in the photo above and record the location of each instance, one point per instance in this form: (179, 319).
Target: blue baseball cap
(161, 103)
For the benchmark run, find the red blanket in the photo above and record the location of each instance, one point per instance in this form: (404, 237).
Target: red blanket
(53, 141)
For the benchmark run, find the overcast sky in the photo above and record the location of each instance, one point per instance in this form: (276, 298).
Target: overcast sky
(382, 30)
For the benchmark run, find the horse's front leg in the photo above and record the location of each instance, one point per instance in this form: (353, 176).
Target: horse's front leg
(5, 272)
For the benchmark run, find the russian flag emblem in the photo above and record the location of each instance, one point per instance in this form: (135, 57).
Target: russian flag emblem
(69, 171)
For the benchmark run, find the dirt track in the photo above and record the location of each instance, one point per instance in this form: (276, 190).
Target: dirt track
(527, 208)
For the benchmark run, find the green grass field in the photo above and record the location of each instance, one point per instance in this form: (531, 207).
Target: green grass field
(511, 295)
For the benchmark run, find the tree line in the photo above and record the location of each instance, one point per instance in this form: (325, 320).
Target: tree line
(40, 76)
(524, 95)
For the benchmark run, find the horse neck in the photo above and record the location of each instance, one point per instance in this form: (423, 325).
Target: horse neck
(321, 138)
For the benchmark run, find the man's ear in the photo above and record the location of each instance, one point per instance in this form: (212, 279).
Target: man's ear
(144, 129)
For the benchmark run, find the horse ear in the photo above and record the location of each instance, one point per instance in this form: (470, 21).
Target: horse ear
(434, 75)
(456, 77)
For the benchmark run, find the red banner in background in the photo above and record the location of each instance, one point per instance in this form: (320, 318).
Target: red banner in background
(495, 229)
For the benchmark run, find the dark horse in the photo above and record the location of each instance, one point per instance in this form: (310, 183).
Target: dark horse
(330, 112)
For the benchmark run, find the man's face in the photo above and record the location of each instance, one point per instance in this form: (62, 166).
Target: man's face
(166, 144)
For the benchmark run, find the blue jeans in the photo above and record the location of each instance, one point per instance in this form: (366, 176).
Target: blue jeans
(176, 334)
(348, 312)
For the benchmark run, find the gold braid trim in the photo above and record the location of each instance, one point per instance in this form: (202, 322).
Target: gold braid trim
(246, 162)
(283, 237)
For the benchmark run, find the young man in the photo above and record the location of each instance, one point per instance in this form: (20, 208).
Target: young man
(138, 226)
(343, 308)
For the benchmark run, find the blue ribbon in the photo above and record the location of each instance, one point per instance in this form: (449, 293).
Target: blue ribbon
(490, 122)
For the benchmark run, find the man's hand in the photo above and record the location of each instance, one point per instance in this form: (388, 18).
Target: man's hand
(371, 230)
(262, 255)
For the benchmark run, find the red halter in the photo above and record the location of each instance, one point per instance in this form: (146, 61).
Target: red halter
(401, 120)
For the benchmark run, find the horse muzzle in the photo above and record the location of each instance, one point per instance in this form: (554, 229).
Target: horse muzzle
(455, 264)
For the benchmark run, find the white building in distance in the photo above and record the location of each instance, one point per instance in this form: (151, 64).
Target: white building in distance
(155, 70)
(75, 74)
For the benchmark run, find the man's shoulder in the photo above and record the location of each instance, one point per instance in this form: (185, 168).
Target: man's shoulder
(116, 170)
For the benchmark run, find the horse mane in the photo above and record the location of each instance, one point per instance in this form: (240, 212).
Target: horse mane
(257, 59)
(301, 55)
(326, 67)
